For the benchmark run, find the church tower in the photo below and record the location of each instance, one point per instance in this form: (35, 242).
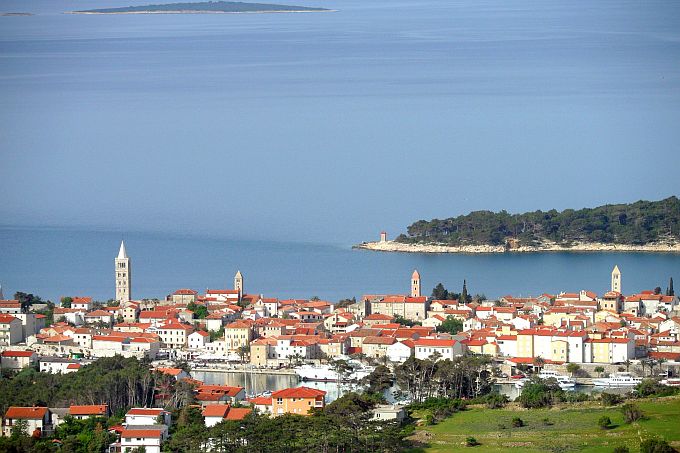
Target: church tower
(123, 277)
(616, 279)
(415, 284)
(238, 284)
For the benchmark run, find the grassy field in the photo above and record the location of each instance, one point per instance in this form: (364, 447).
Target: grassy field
(560, 429)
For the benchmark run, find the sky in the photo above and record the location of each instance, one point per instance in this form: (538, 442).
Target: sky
(331, 127)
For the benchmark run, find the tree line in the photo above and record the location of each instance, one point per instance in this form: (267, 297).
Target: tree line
(637, 223)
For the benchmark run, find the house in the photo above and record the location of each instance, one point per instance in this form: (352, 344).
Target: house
(38, 420)
(83, 412)
(198, 339)
(219, 394)
(17, 360)
(262, 404)
(99, 316)
(56, 365)
(388, 413)
(174, 334)
(400, 351)
(149, 438)
(215, 321)
(444, 348)
(413, 308)
(81, 303)
(10, 330)
(176, 373)
(216, 413)
(184, 296)
(142, 416)
(376, 346)
(238, 334)
(297, 400)
(11, 307)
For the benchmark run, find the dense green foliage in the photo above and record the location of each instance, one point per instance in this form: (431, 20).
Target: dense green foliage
(116, 381)
(540, 393)
(451, 325)
(463, 377)
(637, 223)
(343, 426)
(219, 6)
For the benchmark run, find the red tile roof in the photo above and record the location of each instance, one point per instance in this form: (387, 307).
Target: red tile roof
(6, 319)
(17, 353)
(298, 392)
(31, 413)
(238, 413)
(215, 410)
(97, 409)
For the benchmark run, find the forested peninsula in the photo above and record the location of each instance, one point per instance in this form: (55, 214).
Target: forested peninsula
(204, 7)
(652, 226)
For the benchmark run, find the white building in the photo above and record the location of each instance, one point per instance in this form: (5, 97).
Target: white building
(142, 416)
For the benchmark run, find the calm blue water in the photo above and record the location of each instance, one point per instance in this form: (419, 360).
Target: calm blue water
(331, 127)
(326, 128)
(53, 263)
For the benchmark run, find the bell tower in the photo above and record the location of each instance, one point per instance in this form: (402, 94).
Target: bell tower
(123, 275)
(238, 284)
(415, 284)
(616, 279)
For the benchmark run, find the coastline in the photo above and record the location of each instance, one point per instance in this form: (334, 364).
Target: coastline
(392, 246)
(95, 13)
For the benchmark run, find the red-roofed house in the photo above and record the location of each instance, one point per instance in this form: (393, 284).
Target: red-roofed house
(148, 438)
(216, 413)
(425, 348)
(297, 400)
(10, 330)
(95, 410)
(16, 360)
(37, 420)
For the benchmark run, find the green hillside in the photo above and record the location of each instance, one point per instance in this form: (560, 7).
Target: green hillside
(638, 223)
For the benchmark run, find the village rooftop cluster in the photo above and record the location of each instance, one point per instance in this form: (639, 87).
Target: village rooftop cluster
(234, 326)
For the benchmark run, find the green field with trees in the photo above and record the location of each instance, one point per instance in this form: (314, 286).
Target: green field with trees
(565, 427)
(638, 223)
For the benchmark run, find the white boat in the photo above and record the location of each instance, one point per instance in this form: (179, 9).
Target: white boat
(673, 382)
(326, 373)
(565, 382)
(617, 380)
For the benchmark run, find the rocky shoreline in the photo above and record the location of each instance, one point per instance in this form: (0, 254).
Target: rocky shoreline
(392, 246)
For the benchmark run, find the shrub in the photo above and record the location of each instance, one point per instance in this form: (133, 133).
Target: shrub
(517, 422)
(604, 422)
(471, 442)
(501, 426)
(621, 449)
(656, 446)
(610, 399)
(538, 393)
(650, 387)
(496, 400)
(631, 413)
(547, 422)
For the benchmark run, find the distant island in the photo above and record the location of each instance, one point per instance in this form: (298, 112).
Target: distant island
(204, 8)
(15, 14)
(651, 226)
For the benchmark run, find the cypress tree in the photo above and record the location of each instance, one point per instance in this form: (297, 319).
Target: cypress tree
(464, 293)
(670, 291)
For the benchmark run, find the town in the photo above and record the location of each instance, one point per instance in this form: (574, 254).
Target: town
(581, 338)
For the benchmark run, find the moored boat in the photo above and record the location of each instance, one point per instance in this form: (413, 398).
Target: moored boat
(618, 380)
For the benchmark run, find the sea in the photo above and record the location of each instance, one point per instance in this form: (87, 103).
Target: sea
(52, 263)
(392, 81)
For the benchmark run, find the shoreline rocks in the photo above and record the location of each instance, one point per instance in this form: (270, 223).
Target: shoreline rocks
(393, 246)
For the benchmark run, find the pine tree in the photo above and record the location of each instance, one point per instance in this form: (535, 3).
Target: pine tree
(439, 292)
